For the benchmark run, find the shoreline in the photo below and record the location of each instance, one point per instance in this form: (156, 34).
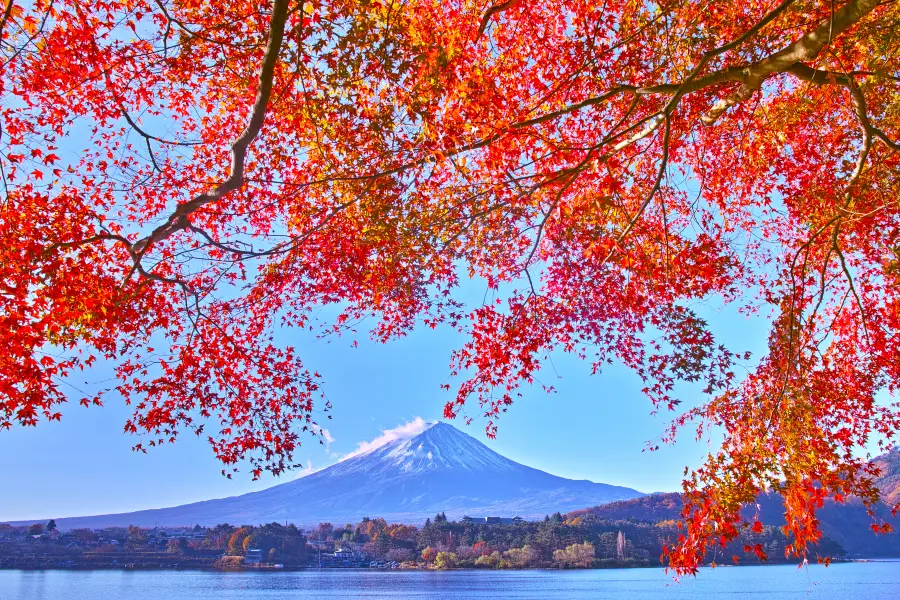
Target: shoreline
(287, 569)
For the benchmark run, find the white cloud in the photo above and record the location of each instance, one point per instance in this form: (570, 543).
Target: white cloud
(326, 435)
(401, 432)
(307, 470)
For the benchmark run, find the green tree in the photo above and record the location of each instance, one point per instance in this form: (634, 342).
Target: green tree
(382, 545)
(137, 536)
(522, 558)
(575, 555)
(217, 537)
(445, 560)
(488, 561)
(176, 546)
(84, 535)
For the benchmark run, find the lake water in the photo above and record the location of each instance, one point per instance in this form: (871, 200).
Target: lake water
(864, 581)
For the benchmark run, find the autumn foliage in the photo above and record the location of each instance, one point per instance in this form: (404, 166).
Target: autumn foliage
(182, 178)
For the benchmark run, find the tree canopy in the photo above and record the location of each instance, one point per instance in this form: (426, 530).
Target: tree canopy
(183, 177)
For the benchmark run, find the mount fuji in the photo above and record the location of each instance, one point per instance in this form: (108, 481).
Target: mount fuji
(407, 480)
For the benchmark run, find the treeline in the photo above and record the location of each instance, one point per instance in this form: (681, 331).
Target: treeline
(284, 544)
(578, 540)
(847, 526)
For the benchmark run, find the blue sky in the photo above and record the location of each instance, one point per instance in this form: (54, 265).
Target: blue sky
(594, 427)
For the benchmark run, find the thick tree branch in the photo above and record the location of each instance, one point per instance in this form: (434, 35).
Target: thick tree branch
(489, 13)
(820, 77)
(178, 220)
(804, 49)
(7, 13)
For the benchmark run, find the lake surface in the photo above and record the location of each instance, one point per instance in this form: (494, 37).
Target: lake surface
(864, 581)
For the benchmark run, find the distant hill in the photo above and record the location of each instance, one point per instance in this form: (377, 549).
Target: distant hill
(848, 524)
(440, 470)
(653, 509)
(889, 482)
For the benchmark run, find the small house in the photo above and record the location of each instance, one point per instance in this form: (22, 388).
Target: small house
(343, 554)
(254, 556)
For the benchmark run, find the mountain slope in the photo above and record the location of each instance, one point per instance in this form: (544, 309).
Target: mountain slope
(441, 469)
(889, 480)
(847, 524)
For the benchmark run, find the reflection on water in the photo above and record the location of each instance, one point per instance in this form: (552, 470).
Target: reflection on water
(864, 581)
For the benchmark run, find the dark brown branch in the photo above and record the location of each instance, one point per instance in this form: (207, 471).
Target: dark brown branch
(489, 14)
(148, 136)
(859, 304)
(869, 133)
(692, 83)
(178, 220)
(820, 77)
(664, 161)
(573, 107)
(89, 240)
(190, 33)
(804, 49)
(884, 138)
(7, 13)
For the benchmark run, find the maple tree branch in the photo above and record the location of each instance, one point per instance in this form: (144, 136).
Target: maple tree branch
(664, 161)
(881, 135)
(690, 84)
(6, 196)
(223, 247)
(572, 107)
(806, 48)
(38, 31)
(149, 136)
(178, 220)
(7, 13)
(486, 19)
(821, 77)
(859, 105)
(187, 30)
(572, 176)
(89, 240)
(859, 304)
(818, 76)
(184, 285)
(869, 131)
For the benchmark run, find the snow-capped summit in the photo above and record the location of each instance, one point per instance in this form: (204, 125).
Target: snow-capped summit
(441, 469)
(441, 446)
